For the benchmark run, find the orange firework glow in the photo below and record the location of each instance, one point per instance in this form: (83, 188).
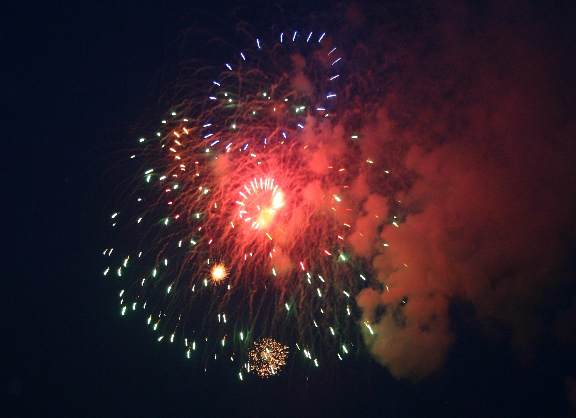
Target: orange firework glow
(218, 273)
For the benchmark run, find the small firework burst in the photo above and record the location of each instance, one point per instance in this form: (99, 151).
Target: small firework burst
(267, 357)
(218, 273)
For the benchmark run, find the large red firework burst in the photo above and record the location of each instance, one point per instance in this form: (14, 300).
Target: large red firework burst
(238, 225)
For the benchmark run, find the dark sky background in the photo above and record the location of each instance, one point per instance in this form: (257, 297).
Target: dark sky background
(78, 84)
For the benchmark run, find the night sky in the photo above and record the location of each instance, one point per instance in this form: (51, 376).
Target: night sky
(490, 92)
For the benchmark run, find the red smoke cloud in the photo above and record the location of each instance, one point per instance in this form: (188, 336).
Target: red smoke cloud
(491, 215)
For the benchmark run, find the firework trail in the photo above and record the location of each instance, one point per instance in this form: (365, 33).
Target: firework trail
(240, 224)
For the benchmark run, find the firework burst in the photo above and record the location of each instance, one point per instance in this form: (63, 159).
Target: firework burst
(238, 226)
(267, 357)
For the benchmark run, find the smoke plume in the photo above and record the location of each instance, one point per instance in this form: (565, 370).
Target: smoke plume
(483, 110)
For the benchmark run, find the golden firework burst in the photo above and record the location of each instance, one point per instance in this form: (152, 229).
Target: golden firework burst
(267, 357)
